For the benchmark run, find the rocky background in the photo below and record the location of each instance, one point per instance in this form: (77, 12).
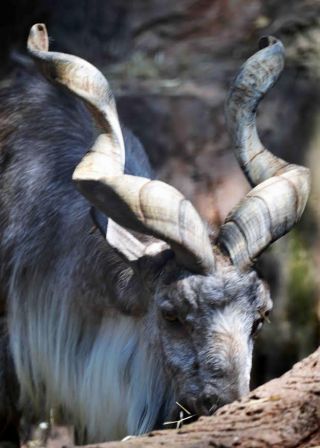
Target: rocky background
(170, 64)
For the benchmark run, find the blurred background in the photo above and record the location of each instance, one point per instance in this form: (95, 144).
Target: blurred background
(170, 64)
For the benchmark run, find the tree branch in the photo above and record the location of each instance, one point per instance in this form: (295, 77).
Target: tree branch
(284, 412)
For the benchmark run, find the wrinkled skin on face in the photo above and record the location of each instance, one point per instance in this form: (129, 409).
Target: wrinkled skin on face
(206, 329)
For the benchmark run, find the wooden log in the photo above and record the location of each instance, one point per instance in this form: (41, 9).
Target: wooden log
(284, 412)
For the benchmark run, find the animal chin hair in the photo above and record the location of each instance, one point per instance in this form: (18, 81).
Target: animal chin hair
(95, 373)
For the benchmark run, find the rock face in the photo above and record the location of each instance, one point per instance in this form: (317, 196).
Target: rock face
(170, 65)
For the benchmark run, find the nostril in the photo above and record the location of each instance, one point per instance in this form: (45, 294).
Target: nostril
(207, 404)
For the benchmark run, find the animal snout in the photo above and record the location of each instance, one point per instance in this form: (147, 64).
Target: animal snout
(208, 403)
(210, 400)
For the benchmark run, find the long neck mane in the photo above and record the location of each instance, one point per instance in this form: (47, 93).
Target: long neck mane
(101, 367)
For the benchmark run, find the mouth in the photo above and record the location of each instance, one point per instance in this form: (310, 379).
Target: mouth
(180, 416)
(185, 413)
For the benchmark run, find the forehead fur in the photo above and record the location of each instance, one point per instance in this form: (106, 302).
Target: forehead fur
(226, 285)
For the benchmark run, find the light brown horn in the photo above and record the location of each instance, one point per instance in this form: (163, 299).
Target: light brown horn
(143, 205)
(277, 203)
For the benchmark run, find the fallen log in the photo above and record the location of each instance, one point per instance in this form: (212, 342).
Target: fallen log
(284, 412)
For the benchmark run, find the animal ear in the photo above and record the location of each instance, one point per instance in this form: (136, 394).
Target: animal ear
(122, 241)
(130, 248)
(146, 259)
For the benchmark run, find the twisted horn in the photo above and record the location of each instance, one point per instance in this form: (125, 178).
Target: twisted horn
(271, 209)
(140, 204)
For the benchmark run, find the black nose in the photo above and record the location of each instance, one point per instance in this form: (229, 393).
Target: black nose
(209, 402)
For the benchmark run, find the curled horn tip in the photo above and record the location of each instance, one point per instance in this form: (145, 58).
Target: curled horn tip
(267, 41)
(38, 38)
(260, 71)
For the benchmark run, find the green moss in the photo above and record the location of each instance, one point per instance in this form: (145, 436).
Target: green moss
(302, 292)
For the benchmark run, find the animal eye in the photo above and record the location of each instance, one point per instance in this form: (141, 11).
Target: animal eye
(256, 327)
(169, 316)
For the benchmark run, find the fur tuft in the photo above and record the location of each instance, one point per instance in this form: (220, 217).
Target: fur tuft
(90, 370)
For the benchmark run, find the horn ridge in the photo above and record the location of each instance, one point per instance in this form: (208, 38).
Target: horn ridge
(82, 78)
(254, 80)
(281, 190)
(136, 203)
